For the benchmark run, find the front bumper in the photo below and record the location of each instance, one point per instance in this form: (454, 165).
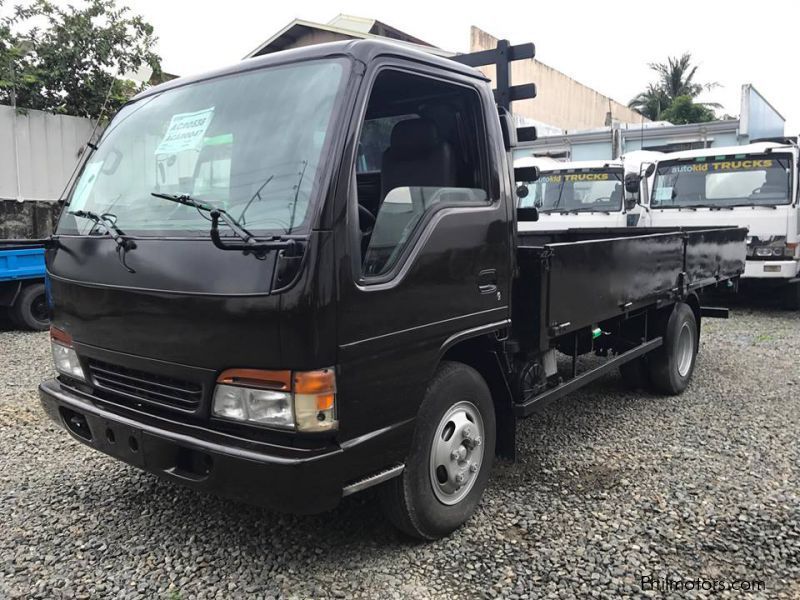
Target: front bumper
(292, 480)
(770, 269)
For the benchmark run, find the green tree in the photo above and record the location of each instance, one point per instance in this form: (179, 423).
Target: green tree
(676, 79)
(651, 103)
(69, 60)
(685, 110)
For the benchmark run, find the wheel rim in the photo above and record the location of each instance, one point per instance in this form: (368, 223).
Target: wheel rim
(39, 309)
(685, 350)
(457, 453)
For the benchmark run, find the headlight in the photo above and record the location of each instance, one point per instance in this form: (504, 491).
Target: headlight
(64, 357)
(305, 401)
(266, 407)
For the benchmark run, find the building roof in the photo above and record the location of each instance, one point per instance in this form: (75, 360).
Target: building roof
(346, 26)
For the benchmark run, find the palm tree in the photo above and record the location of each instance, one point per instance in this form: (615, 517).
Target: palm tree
(675, 78)
(651, 103)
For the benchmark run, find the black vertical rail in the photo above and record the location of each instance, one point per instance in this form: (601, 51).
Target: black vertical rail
(501, 57)
(503, 74)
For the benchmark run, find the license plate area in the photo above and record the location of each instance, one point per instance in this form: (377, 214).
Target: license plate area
(115, 439)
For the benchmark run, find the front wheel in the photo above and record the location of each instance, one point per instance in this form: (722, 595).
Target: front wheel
(451, 455)
(671, 366)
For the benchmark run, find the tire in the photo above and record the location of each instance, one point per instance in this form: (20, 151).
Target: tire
(670, 367)
(634, 374)
(30, 309)
(791, 296)
(425, 501)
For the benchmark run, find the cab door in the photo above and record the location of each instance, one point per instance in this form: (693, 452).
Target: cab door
(424, 240)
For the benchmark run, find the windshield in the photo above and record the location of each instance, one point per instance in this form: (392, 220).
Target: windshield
(598, 190)
(720, 181)
(249, 143)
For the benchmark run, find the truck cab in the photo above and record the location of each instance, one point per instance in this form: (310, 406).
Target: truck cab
(753, 186)
(588, 194)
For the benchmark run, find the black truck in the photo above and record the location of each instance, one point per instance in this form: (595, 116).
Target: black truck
(299, 277)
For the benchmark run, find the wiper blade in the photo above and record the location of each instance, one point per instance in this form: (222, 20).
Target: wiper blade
(116, 234)
(249, 242)
(695, 206)
(184, 199)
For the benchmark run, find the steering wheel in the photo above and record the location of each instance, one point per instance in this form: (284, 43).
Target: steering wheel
(365, 214)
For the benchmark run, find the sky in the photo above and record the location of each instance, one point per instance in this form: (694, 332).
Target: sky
(603, 44)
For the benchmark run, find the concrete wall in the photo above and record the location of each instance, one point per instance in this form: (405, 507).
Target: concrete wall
(38, 152)
(561, 101)
(27, 220)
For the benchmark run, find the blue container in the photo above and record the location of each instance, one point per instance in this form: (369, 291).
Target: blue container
(22, 263)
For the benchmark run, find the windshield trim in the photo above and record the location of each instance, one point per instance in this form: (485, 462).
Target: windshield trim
(323, 173)
(709, 204)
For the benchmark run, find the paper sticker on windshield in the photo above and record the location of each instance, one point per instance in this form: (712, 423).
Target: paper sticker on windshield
(85, 184)
(663, 194)
(185, 132)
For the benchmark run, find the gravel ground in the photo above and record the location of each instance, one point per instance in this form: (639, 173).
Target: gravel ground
(610, 486)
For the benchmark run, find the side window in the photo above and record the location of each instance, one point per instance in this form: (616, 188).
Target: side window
(422, 148)
(375, 136)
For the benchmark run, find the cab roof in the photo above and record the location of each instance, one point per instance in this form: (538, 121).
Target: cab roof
(553, 165)
(757, 148)
(360, 50)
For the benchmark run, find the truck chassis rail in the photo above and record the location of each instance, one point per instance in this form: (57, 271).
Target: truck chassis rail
(528, 407)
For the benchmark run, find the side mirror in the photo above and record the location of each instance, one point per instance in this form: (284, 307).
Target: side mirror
(630, 203)
(526, 174)
(522, 191)
(632, 183)
(508, 129)
(651, 168)
(528, 214)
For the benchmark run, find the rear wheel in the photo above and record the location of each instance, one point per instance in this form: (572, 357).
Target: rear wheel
(30, 309)
(670, 367)
(451, 455)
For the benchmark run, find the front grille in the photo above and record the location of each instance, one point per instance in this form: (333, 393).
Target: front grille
(145, 388)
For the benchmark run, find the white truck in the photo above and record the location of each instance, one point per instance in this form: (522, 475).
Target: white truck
(588, 194)
(754, 186)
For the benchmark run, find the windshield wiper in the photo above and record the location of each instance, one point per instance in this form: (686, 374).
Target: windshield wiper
(116, 234)
(249, 243)
(695, 206)
(755, 204)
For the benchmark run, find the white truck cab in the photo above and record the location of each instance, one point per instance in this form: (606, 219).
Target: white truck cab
(587, 194)
(755, 186)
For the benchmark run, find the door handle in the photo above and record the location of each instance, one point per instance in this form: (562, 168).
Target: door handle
(487, 281)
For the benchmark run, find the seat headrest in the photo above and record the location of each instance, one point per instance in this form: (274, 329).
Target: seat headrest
(416, 134)
(775, 177)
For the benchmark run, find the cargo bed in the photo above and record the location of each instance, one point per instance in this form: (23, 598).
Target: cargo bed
(572, 281)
